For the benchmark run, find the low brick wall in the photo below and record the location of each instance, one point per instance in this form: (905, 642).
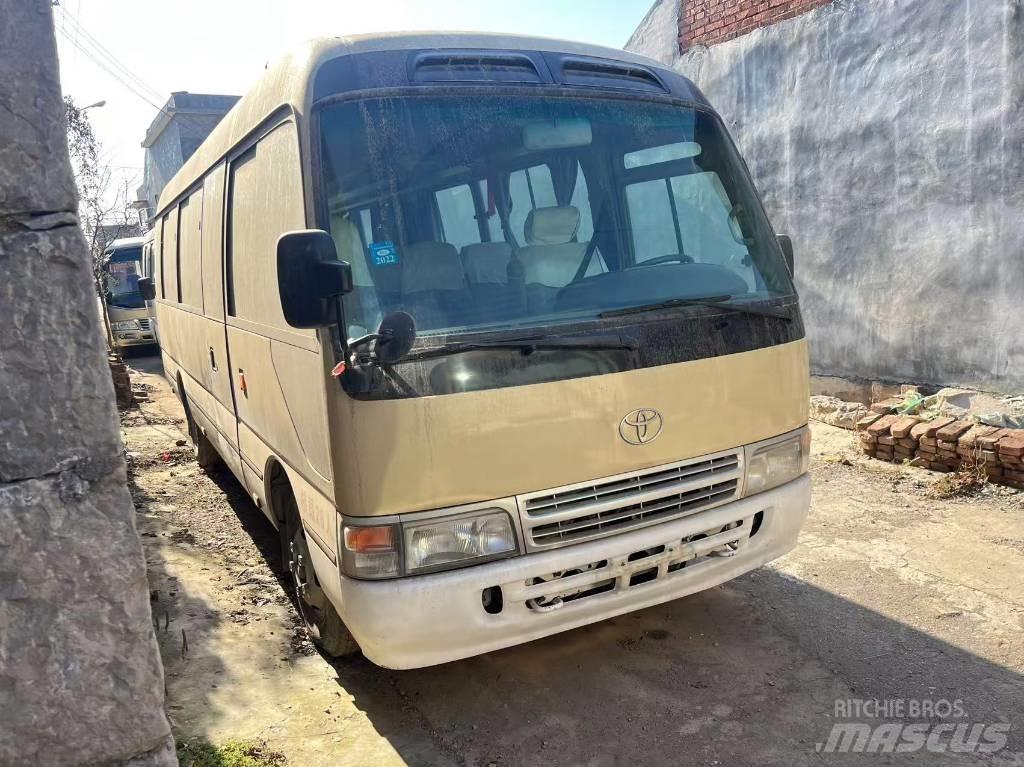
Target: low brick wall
(945, 444)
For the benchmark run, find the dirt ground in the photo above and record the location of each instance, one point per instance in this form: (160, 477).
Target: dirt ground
(891, 594)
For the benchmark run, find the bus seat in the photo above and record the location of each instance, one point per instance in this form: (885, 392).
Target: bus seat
(434, 286)
(486, 262)
(486, 265)
(550, 258)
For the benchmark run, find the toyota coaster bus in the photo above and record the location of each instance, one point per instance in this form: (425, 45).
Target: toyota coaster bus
(125, 307)
(494, 330)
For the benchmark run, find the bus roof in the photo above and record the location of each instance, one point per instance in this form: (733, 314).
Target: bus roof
(124, 242)
(288, 82)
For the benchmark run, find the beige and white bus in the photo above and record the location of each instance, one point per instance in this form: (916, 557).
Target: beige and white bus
(495, 330)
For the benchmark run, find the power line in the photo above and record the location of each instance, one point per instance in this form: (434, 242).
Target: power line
(111, 65)
(134, 90)
(110, 69)
(103, 52)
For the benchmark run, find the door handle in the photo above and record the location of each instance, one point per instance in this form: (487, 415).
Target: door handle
(213, 360)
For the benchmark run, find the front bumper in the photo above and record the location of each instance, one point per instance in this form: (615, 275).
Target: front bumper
(430, 619)
(125, 338)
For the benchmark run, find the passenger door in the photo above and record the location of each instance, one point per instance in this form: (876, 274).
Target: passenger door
(215, 345)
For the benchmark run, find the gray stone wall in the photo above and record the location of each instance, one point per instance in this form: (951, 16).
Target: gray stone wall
(887, 137)
(80, 676)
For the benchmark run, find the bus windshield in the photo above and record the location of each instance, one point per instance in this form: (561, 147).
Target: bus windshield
(495, 212)
(121, 278)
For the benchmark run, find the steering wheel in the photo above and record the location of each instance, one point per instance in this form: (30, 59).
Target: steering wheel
(673, 258)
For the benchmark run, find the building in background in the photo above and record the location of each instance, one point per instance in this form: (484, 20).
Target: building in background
(178, 130)
(887, 138)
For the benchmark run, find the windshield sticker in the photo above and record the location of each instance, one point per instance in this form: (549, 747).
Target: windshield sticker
(383, 253)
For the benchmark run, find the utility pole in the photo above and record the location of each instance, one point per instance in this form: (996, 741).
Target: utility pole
(80, 674)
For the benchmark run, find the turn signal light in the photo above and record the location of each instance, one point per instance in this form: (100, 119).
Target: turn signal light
(367, 540)
(370, 551)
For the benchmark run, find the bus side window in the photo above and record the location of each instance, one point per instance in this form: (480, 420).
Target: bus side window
(212, 227)
(266, 201)
(529, 188)
(704, 211)
(655, 229)
(169, 252)
(189, 249)
(458, 215)
(161, 251)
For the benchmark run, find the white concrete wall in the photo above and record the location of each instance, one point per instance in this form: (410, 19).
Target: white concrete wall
(887, 138)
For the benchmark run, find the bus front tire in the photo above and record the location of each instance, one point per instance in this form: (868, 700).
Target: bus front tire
(322, 621)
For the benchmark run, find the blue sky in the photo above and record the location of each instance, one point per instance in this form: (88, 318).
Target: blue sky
(221, 46)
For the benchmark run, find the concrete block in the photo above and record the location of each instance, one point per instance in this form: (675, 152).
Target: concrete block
(81, 681)
(55, 401)
(35, 174)
(81, 678)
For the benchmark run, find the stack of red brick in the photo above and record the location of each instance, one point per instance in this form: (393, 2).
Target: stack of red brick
(945, 444)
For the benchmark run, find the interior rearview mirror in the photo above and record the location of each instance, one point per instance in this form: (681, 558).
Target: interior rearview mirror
(561, 133)
(787, 251)
(310, 278)
(147, 289)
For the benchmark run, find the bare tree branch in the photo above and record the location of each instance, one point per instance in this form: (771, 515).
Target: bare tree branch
(103, 212)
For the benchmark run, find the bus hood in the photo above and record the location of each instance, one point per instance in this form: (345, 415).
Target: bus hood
(433, 452)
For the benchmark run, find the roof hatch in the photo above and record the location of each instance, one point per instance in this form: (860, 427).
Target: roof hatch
(473, 66)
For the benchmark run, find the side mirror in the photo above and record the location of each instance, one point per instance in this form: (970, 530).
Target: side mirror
(786, 243)
(310, 277)
(147, 289)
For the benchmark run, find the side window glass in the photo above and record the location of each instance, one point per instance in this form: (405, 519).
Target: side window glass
(458, 215)
(212, 266)
(708, 234)
(651, 220)
(162, 254)
(581, 201)
(190, 274)
(529, 188)
(266, 201)
(491, 210)
(170, 256)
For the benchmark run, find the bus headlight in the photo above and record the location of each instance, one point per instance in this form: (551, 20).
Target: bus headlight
(413, 547)
(777, 463)
(443, 543)
(125, 325)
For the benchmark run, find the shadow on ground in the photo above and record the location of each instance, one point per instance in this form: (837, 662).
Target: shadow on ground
(748, 673)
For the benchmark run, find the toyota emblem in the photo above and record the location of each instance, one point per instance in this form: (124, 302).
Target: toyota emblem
(640, 426)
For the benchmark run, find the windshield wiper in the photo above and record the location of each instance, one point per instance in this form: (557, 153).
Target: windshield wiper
(716, 302)
(526, 345)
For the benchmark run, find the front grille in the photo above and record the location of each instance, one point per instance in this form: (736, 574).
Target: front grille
(144, 324)
(612, 505)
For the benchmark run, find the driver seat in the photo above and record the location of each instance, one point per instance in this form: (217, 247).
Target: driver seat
(551, 258)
